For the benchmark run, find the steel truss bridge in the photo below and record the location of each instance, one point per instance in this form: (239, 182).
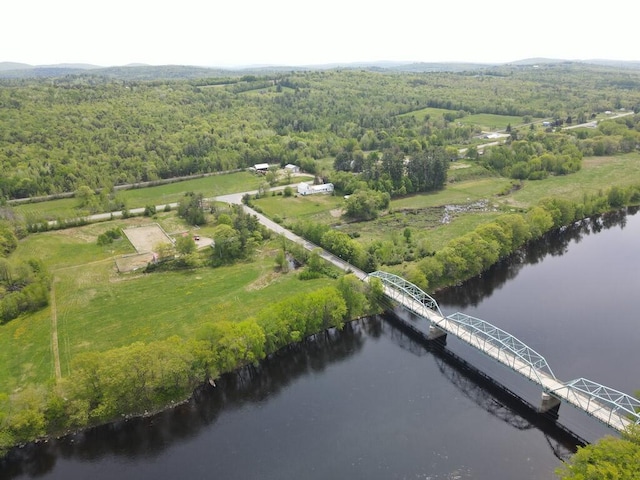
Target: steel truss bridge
(613, 408)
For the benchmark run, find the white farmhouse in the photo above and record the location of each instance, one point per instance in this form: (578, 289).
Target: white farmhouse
(306, 189)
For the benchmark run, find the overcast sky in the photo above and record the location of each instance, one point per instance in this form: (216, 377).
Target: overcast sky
(295, 32)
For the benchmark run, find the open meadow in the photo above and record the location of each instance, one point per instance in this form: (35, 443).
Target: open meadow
(95, 308)
(597, 174)
(485, 121)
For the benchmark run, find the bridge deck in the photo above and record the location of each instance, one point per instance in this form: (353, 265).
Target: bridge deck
(547, 382)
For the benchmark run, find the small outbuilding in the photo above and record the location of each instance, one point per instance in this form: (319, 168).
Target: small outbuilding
(290, 167)
(261, 167)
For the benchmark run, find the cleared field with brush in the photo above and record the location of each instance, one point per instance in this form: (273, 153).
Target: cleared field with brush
(597, 173)
(485, 121)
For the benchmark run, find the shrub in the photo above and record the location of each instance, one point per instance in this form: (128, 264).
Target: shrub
(149, 210)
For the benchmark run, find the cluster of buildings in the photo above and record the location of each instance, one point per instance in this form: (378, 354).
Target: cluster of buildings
(303, 188)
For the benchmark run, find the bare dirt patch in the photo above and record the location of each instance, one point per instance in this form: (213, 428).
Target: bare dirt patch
(130, 263)
(145, 238)
(263, 281)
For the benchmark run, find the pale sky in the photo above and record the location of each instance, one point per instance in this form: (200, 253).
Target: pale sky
(294, 32)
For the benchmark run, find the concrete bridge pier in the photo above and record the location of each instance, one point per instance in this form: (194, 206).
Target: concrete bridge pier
(549, 404)
(435, 332)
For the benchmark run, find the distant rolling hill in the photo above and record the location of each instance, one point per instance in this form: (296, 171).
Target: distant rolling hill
(4, 66)
(128, 72)
(152, 72)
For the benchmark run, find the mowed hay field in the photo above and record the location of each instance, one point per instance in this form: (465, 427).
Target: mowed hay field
(101, 310)
(96, 309)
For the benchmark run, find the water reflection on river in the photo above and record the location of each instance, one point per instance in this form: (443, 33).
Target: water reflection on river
(373, 402)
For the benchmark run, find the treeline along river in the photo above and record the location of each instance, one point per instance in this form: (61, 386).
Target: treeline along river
(376, 402)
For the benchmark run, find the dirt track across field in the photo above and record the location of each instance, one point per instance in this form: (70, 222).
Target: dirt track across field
(54, 333)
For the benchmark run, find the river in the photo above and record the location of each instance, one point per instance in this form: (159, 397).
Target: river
(374, 402)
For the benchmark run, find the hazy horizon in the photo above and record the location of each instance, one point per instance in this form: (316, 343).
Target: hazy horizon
(286, 33)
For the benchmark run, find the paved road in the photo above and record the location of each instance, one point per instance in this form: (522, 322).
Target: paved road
(236, 198)
(594, 123)
(230, 198)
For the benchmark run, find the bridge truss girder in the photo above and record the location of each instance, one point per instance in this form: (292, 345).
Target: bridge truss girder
(407, 288)
(486, 332)
(617, 404)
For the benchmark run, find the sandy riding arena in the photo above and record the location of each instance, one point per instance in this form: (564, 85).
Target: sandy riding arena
(144, 239)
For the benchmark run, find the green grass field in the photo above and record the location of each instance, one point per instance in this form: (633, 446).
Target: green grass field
(25, 351)
(98, 309)
(103, 310)
(318, 208)
(159, 195)
(490, 122)
(485, 121)
(597, 173)
(455, 194)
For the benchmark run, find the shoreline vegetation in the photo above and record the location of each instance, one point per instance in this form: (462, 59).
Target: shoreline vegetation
(418, 192)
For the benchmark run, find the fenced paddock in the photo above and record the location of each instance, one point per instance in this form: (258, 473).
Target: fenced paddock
(145, 238)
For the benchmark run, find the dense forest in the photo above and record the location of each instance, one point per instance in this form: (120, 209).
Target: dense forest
(64, 133)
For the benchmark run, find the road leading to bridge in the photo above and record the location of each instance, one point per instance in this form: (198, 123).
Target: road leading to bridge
(236, 198)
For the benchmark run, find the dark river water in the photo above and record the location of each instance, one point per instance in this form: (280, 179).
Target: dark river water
(376, 402)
